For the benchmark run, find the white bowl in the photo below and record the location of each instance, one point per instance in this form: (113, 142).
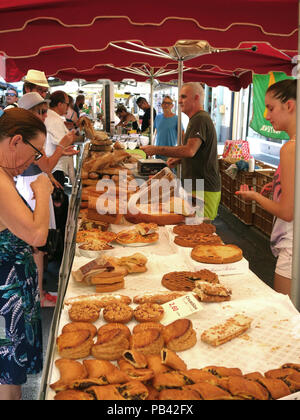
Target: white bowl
(89, 253)
(144, 140)
(131, 145)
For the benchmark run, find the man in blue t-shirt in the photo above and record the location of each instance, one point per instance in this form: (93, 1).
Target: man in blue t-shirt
(166, 126)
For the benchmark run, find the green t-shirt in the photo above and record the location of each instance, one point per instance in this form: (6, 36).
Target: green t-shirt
(204, 165)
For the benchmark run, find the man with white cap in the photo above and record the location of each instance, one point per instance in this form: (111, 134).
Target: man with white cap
(36, 81)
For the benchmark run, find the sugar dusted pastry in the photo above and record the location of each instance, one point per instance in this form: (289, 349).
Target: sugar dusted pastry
(230, 329)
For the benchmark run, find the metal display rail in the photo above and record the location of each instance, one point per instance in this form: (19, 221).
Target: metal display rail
(66, 264)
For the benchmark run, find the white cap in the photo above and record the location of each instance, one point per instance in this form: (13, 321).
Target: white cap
(37, 78)
(29, 100)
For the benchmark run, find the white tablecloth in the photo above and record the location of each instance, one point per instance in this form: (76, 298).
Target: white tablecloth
(273, 339)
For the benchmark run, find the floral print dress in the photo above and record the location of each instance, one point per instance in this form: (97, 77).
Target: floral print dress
(21, 338)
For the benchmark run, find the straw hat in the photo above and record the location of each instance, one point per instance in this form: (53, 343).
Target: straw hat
(37, 78)
(29, 100)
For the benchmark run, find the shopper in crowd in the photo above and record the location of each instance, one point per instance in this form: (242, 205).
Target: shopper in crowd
(35, 103)
(56, 130)
(71, 116)
(143, 104)
(80, 100)
(280, 103)
(11, 98)
(127, 120)
(198, 152)
(22, 137)
(166, 126)
(36, 81)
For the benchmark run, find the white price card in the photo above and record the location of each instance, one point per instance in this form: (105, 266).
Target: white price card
(181, 308)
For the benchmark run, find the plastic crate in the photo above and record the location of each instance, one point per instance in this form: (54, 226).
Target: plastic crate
(263, 177)
(246, 211)
(227, 182)
(263, 220)
(248, 178)
(226, 198)
(223, 165)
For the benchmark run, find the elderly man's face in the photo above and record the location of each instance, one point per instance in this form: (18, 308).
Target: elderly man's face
(186, 99)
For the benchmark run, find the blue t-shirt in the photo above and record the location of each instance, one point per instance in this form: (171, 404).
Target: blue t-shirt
(166, 131)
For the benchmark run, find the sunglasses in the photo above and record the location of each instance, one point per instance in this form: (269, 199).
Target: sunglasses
(42, 90)
(38, 154)
(42, 111)
(10, 94)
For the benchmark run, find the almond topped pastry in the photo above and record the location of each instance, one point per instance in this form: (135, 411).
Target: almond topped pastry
(118, 312)
(84, 312)
(149, 312)
(230, 329)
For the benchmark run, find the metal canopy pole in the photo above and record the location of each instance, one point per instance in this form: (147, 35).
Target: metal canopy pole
(295, 287)
(152, 113)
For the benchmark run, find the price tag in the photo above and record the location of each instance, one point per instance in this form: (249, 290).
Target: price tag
(180, 308)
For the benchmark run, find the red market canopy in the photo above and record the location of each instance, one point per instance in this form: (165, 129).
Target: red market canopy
(211, 76)
(227, 68)
(29, 25)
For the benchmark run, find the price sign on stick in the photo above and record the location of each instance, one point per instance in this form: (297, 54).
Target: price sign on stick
(180, 308)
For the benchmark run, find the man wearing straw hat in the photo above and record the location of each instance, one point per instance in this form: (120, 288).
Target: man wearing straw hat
(36, 81)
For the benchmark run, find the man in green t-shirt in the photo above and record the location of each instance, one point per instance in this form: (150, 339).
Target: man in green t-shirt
(198, 153)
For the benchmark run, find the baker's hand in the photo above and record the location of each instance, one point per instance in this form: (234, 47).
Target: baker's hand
(173, 162)
(149, 150)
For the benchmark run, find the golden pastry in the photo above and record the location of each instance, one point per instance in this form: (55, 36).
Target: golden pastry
(114, 326)
(118, 312)
(147, 342)
(178, 394)
(84, 312)
(133, 390)
(75, 345)
(77, 326)
(149, 312)
(71, 395)
(180, 335)
(135, 358)
(171, 359)
(110, 345)
(69, 371)
(101, 393)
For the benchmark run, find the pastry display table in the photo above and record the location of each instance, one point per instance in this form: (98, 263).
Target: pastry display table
(272, 340)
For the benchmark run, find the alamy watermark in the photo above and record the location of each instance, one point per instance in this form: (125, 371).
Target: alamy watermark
(155, 196)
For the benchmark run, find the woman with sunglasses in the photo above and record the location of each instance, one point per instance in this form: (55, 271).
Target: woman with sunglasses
(20, 230)
(36, 104)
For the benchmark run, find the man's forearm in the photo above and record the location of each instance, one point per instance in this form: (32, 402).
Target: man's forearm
(173, 151)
